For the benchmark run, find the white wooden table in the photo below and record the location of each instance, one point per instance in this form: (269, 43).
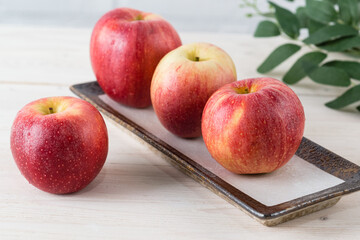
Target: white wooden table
(138, 195)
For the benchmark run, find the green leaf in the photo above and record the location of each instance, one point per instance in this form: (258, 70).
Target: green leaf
(287, 21)
(352, 68)
(350, 96)
(308, 66)
(333, 2)
(358, 108)
(314, 26)
(326, 75)
(279, 55)
(306, 22)
(321, 11)
(301, 15)
(349, 12)
(330, 76)
(267, 29)
(341, 44)
(330, 33)
(297, 71)
(268, 14)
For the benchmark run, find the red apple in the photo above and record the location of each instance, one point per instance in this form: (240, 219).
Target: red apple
(59, 143)
(182, 83)
(126, 45)
(253, 126)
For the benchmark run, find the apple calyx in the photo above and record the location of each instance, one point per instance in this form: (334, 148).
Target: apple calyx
(195, 58)
(50, 110)
(242, 90)
(138, 18)
(51, 107)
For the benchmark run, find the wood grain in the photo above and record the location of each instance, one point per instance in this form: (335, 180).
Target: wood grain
(138, 195)
(267, 215)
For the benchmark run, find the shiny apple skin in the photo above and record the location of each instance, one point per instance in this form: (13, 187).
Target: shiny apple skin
(60, 152)
(124, 53)
(257, 132)
(181, 86)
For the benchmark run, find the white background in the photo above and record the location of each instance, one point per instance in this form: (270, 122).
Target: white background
(185, 15)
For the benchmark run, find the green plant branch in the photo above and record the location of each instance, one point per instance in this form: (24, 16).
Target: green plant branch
(254, 6)
(325, 27)
(353, 52)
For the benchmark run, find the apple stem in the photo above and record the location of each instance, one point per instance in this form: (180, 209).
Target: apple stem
(246, 90)
(51, 110)
(197, 58)
(138, 18)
